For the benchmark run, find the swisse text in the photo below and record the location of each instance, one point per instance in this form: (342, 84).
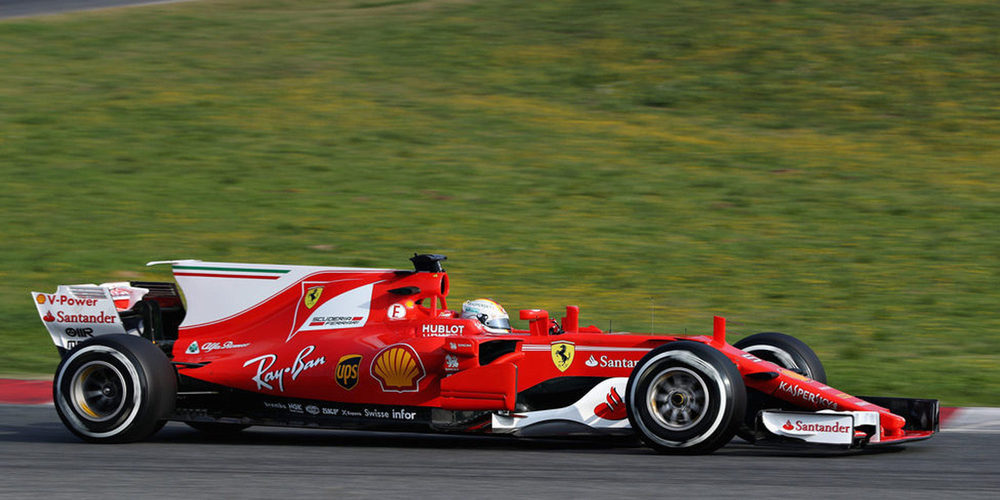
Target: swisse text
(392, 414)
(266, 376)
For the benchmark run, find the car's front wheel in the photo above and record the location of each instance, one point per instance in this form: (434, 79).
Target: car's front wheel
(785, 351)
(685, 397)
(114, 389)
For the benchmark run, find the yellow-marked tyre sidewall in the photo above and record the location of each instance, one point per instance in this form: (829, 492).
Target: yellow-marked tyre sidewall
(725, 398)
(147, 381)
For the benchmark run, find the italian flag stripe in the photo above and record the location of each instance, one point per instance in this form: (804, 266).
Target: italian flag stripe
(234, 276)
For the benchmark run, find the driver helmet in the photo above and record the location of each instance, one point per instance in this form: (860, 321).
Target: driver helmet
(489, 313)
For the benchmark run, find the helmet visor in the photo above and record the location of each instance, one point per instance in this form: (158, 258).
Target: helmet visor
(498, 324)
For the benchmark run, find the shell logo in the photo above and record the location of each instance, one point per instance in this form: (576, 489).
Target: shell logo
(398, 369)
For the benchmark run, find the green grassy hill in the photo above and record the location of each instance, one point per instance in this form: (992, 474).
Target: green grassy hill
(830, 170)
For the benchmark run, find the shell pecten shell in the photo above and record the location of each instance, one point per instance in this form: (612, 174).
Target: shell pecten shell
(398, 368)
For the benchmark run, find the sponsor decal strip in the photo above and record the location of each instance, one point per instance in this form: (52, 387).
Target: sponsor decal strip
(325, 409)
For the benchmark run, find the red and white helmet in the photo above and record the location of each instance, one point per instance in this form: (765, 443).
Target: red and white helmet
(489, 313)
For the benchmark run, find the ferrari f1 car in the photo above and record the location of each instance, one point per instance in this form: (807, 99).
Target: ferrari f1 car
(379, 349)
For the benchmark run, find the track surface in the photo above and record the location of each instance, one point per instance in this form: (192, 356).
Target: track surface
(41, 459)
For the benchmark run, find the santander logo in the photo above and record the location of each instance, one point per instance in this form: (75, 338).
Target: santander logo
(835, 427)
(613, 409)
(48, 318)
(591, 362)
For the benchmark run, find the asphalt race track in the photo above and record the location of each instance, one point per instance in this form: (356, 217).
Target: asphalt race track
(41, 459)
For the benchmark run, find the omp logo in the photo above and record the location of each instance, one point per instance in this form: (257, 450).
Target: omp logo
(346, 373)
(80, 332)
(398, 369)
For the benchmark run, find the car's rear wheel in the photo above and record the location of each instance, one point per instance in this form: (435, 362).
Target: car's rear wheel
(685, 397)
(114, 389)
(785, 351)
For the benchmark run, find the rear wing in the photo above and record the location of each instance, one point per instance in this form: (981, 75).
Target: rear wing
(75, 313)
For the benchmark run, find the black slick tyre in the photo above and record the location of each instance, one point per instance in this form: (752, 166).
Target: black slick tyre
(787, 352)
(114, 389)
(685, 398)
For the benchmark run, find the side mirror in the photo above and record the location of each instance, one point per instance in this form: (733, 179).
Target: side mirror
(538, 318)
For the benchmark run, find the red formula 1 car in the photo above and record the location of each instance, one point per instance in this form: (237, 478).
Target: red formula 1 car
(379, 349)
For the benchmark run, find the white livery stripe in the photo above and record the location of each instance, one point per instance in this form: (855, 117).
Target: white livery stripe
(585, 348)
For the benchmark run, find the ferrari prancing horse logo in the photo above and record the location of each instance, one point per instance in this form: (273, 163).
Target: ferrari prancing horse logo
(312, 296)
(562, 354)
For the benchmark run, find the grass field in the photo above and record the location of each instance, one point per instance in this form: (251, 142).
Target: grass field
(826, 169)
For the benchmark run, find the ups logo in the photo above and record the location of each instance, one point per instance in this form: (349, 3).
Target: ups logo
(347, 371)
